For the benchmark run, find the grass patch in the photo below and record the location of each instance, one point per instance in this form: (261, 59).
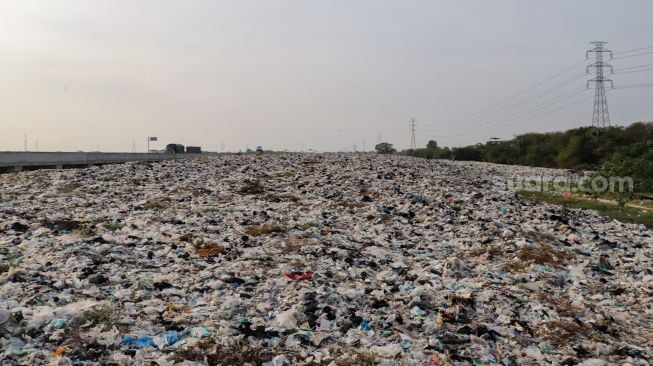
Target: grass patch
(560, 332)
(68, 187)
(10, 260)
(264, 229)
(516, 266)
(209, 352)
(286, 174)
(99, 315)
(629, 214)
(157, 204)
(277, 198)
(310, 224)
(84, 230)
(369, 192)
(6, 266)
(357, 357)
(544, 254)
(114, 226)
(351, 205)
(199, 192)
(253, 187)
(194, 191)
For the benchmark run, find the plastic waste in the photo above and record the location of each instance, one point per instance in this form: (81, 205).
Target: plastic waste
(199, 332)
(296, 276)
(313, 259)
(58, 323)
(138, 342)
(171, 338)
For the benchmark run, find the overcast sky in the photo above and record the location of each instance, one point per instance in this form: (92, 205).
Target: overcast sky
(293, 74)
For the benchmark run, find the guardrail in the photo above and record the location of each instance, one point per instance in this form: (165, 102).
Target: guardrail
(21, 160)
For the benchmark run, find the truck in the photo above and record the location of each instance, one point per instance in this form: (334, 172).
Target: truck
(175, 149)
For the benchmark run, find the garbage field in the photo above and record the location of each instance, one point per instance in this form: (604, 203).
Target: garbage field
(313, 259)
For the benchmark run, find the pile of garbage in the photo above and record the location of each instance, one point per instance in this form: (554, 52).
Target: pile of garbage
(313, 259)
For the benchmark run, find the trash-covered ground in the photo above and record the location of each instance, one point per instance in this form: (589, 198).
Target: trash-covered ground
(306, 259)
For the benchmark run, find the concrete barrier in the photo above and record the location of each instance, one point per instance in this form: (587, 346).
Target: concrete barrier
(20, 160)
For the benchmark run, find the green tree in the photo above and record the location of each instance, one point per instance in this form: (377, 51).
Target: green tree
(432, 145)
(618, 167)
(569, 156)
(385, 148)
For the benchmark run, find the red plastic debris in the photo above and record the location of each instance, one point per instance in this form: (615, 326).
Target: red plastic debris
(296, 276)
(435, 360)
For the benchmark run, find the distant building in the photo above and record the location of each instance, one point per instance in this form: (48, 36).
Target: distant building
(175, 149)
(193, 150)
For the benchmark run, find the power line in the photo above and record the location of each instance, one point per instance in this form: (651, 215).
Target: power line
(553, 101)
(631, 71)
(526, 119)
(519, 93)
(520, 103)
(555, 110)
(534, 108)
(522, 99)
(634, 67)
(629, 56)
(628, 86)
(633, 50)
(527, 113)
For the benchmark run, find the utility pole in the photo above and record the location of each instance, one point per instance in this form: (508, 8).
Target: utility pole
(601, 115)
(25, 142)
(413, 126)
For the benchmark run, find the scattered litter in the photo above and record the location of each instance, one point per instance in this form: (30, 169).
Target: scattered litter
(296, 276)
(210, 251)
(59, 351)
(304, 259)
(138, 342)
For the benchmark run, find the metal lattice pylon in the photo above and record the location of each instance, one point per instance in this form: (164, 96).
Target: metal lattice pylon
(600, 115)
(413, 128)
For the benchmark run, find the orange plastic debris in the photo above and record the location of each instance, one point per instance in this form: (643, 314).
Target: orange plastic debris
(59, 351)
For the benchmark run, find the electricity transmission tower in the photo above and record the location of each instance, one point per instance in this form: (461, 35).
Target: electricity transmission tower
(601, 115)
(413, 126)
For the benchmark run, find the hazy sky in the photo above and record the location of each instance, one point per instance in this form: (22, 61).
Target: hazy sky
(287, 74)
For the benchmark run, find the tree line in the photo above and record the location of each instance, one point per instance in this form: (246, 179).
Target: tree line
(578, 148)
(609, 152)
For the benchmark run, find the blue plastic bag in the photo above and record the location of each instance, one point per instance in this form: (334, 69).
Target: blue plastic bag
(171, 337)
(139, 342)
